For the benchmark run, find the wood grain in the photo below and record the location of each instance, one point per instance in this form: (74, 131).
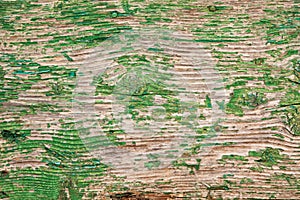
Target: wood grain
(225, 77)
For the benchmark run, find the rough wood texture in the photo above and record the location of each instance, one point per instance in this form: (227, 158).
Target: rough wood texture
(149, 99)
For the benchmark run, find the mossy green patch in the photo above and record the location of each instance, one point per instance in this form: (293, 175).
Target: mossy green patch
(246, 180)
(102, 87)
(245, 98)
(290, 112)
(183, 163)
(13, 132)
(268, 156)
(152, 164)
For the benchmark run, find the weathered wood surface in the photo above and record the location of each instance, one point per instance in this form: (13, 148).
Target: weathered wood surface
(203, 104)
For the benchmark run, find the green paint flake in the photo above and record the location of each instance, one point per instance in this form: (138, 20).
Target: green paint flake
(278, 135)
(67, 57)
(207, 102)
(234, 157)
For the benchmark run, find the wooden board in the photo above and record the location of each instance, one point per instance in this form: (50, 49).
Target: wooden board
(149, 99)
